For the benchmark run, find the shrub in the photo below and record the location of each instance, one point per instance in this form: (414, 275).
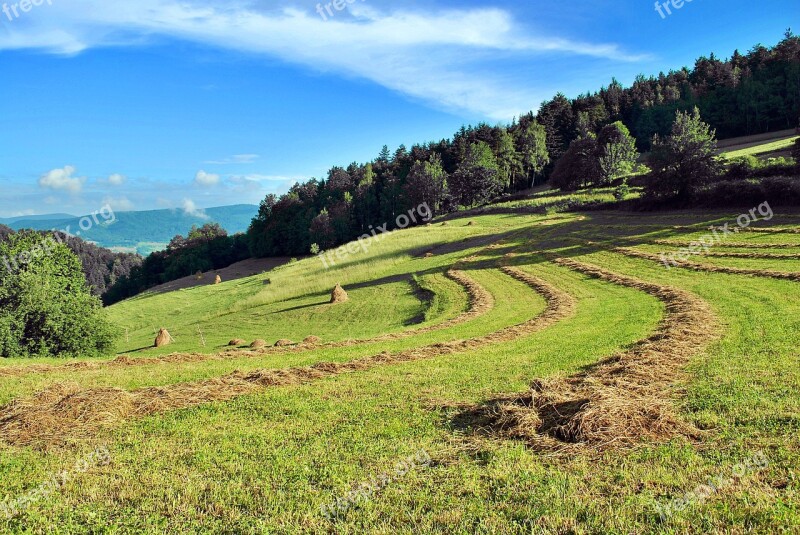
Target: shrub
(46, 307)
(742, 167)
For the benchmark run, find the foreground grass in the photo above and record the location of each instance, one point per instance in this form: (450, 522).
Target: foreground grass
(267, 462)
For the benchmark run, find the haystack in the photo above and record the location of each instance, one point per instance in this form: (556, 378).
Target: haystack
(283, 343)
(218, 280)
(236, 342)
(163, 338)
(258, 344)
(312, 340)
(339, 295)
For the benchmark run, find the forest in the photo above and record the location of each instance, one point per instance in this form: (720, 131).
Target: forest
(746, 94)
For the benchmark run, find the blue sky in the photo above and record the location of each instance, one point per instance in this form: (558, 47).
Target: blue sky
(191, 104)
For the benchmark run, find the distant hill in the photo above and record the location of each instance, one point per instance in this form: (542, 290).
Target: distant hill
(46, 217)
(142, 232)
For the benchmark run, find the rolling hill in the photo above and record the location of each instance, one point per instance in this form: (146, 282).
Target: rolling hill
(142, 232)
(518, 369)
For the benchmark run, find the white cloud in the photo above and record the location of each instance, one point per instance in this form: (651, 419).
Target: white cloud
(206, 179)
(191, 209)
(236, 159)
(62, 179)
(265, 178)
(121, 204)
(116, 179)
(450, 58)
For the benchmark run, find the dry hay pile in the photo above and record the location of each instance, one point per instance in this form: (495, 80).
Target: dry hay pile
(312, 340)
(162, 339)
(69, 413)
(283, 342)
(698, 266)
(236, 342)
(258, 344)
(218, 280)
(338, 295)
(623, 399)
(765, 256)
(773, 230)
(732, 245)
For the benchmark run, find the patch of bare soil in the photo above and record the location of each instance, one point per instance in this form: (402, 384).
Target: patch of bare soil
(618, 402)
(698, 266)
(239, 270)
(64, 412)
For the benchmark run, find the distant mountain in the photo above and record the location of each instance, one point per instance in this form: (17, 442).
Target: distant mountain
(142, 232)
(46, 217)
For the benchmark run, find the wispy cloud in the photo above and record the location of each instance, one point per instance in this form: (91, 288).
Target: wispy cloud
(191, 209)
(235, 159)
(116, 179)
(446, 57)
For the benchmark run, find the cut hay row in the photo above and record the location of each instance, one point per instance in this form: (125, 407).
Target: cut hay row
(480, 303)
(698, 266)
(731, 245)
(772, 230)
(65, 412)
(623, 399)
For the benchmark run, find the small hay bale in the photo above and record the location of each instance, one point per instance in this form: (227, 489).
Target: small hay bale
(163, 339)
(236, 342)
(312, 340)
(283, 343)
(218, 280)
(258, 344)
(338, 295)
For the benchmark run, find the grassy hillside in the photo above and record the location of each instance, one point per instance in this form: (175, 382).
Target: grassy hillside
(433, 356)
(764, 145)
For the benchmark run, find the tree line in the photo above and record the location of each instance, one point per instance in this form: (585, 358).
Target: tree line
(591, 140)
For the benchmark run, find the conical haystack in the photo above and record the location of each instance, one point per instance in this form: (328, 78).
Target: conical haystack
(258, 344)
(163, 338)
(339, 295)
(218, 280)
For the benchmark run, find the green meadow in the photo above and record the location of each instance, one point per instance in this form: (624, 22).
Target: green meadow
(268, 461)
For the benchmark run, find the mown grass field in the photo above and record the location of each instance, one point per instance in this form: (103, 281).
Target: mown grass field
(266, 461)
